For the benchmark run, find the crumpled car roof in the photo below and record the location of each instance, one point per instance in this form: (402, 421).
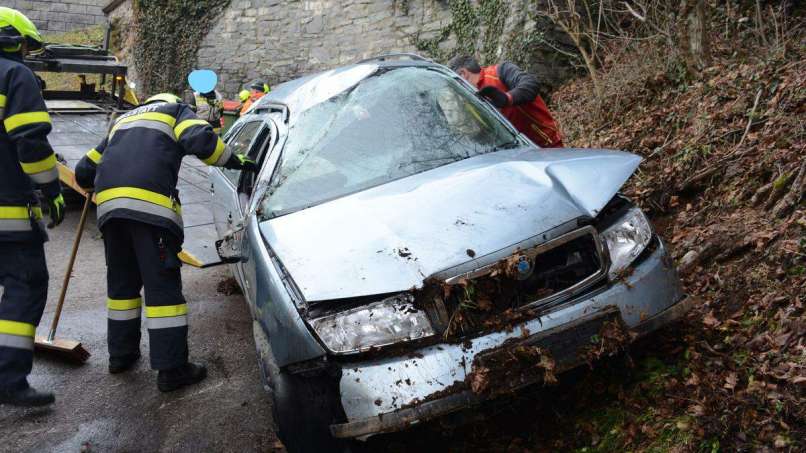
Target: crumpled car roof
(303, 93)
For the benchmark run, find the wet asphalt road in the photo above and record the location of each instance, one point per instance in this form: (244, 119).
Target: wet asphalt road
(96, 411)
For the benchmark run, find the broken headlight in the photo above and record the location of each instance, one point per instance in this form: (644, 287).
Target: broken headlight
(626, 239)
(383, 323)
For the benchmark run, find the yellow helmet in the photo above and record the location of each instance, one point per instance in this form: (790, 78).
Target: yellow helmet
(259, 85)
(243, 95)
(163, 97)
(14, 24)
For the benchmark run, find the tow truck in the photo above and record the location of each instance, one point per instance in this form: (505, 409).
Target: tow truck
(80, 121)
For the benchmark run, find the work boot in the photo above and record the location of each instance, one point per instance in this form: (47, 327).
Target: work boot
(123, 363)
(28, 397)
(176, 378)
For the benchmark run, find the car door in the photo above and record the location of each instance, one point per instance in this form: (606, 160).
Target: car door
(260, 152)
(232, 188)
(224, 182)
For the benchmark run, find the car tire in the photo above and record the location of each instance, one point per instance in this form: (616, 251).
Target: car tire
(303, 412)
(303, 408)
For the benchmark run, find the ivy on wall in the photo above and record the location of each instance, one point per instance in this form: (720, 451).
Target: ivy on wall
(493, 15)
(496, 30)
(167, 39)
(472, 27)
(403, 6)
(541, 41)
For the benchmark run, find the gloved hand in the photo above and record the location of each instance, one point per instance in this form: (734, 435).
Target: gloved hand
(55, 210)
(241, 162)
(496, 97)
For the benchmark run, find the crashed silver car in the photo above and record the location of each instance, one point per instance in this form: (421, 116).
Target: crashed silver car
(406, 254)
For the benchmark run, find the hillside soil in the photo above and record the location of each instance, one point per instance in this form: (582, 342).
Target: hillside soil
(723, 178)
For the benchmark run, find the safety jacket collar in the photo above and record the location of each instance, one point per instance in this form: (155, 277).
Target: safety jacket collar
(489, 75)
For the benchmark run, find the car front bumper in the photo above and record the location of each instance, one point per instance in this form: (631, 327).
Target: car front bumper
(389, 394)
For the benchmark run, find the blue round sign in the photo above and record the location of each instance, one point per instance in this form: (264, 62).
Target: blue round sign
(203, 80)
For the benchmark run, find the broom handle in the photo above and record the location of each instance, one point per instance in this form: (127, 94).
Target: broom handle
(57, 315)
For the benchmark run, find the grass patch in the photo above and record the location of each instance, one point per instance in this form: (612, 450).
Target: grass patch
(675, 434)
(608, 430)
(654, 374)
(611, 431)
(93, 36)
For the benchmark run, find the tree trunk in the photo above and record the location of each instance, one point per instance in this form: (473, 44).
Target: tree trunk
(694, 42)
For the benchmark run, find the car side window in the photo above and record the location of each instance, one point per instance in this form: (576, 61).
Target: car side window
(239, 144)
(257, 154)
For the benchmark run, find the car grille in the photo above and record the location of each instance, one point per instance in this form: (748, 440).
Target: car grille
(517, 286)
(563, 268)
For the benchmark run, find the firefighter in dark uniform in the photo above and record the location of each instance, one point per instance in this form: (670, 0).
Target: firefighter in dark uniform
(26, 162)
(134, 172)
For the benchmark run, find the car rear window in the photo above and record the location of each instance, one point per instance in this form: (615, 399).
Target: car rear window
(393, 124)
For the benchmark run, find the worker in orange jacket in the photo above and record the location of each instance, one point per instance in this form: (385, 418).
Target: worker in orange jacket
(256, 91)
(515, 93)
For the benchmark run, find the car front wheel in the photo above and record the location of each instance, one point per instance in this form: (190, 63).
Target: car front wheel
(303, 407)
(303, 412)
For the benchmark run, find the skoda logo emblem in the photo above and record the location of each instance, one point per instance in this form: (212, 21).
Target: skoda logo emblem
(524, 268)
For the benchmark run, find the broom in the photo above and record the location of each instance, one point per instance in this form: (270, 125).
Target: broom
(67, 348)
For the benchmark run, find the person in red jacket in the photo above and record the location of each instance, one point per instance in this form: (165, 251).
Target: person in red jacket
(515, 93)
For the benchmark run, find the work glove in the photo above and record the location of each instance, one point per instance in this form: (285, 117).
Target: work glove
(241, 162)
(496, 97)
(55, 210)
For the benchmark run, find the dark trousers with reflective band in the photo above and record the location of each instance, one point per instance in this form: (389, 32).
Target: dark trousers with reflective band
(142, 255)
(24, 278)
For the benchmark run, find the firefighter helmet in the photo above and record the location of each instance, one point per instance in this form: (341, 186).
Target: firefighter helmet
(163, 97)
(16, 28)
(260, 85)
(243, 95)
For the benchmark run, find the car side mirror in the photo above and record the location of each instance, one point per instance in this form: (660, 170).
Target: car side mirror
(229, 248)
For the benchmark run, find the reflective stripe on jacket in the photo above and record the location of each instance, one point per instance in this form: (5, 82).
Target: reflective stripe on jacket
(532, 119)
(135, 169)
(26, 159)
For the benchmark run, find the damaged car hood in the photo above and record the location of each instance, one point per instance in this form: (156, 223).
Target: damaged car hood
(390, 238)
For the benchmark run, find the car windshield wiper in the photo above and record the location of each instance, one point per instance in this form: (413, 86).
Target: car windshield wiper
(428, 161)
(275, 214)
(509, 145)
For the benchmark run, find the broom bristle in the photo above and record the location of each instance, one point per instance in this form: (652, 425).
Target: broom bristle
(65, 348)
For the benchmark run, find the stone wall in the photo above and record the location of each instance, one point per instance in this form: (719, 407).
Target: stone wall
(60, 16)
(279, 40)
(121, 36)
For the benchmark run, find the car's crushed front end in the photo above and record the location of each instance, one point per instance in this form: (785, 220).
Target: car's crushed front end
(420, 319)
(391, 392)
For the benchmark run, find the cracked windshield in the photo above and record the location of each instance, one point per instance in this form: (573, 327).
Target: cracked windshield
(391, 125)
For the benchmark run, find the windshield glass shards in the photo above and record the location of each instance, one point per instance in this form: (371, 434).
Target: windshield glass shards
(391, 125)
